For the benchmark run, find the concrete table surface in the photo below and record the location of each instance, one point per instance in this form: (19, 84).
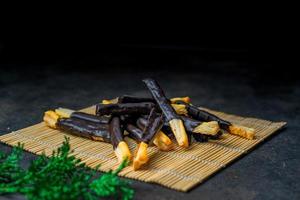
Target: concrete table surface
(271, 171)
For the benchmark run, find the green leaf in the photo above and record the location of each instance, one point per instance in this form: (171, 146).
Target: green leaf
(59, 177)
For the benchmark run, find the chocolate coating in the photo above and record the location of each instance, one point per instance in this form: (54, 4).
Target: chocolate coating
(190, 124)
(116, 133)
(124, 108)
(134, 132)
(90, 118)
(217, 136)
(200, 138)
(85, 129)
(154, 124)
(160, 98)
(142, 123)
(128, 119)
(203, 115)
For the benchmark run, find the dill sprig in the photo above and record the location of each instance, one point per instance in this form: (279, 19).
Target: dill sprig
(62, 176)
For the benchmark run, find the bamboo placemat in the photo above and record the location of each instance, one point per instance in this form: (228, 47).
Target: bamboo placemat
(179, 169)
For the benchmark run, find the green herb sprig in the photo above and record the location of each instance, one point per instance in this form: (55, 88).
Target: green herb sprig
(62, 176)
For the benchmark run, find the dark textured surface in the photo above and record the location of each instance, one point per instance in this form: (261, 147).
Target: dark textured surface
(271, 171)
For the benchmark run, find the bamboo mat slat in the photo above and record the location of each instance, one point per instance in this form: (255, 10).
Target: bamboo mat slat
(179, 169)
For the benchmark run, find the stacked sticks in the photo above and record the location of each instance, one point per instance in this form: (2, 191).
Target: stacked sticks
(148, 121)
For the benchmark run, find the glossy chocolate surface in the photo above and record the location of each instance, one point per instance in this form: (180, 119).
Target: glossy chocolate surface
(200, 138)
(134, 132)
(85, 129)
(90, 117)
(202, 115)
(116, 132)
(124, 109)
(154, 124)
(190, 124)
(159, 96)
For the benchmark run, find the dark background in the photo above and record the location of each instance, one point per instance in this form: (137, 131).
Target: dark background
(250, 75)
(264, 56)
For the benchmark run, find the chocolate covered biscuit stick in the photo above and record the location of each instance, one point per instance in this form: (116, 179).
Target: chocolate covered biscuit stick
(171, 116)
